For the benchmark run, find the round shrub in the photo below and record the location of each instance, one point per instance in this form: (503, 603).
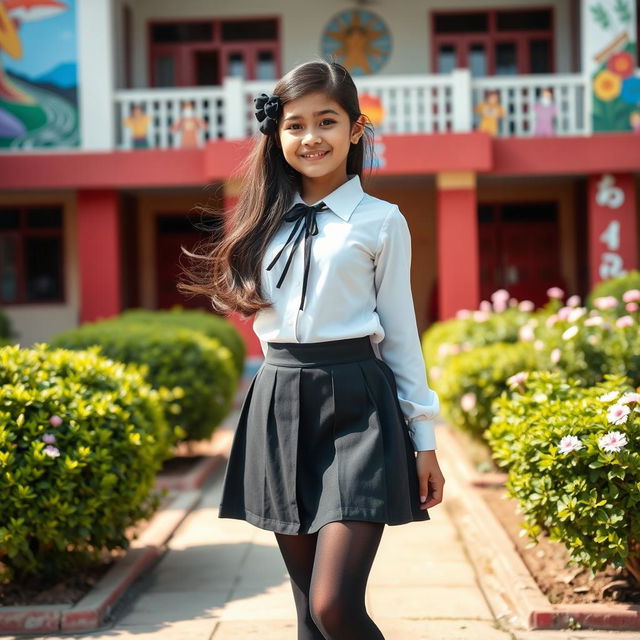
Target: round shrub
(211, 325)
(615, 288)
(81, 440)
(470, 381)
(171, 357)
(573, 458)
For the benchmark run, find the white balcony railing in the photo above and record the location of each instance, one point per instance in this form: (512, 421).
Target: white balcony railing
(411, 104)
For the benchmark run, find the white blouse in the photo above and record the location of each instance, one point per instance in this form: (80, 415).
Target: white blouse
(358, 285)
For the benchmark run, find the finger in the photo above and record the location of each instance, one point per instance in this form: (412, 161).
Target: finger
(436, 495)
(424, 490)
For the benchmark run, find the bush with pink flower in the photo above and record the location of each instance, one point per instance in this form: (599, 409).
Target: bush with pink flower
(81, 440)
(573, 460)
(624, 291)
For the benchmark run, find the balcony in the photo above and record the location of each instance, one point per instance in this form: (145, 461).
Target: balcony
(411, 103)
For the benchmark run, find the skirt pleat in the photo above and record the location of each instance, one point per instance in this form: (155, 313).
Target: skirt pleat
(321, 437)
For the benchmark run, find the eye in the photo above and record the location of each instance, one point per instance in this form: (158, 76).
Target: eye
(329, 120)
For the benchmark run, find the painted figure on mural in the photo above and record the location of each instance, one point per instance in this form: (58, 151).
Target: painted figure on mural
(188, 125)
(490, 113)
(545, 112)
(634, 121)
(138, 124)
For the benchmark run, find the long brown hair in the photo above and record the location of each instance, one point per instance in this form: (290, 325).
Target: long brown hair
(227, 268)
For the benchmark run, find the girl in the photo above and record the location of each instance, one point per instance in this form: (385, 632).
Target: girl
(323, 454)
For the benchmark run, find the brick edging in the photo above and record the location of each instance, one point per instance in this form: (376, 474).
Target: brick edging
(504, 577)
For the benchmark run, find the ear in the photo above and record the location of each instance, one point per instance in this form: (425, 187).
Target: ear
(357, 129)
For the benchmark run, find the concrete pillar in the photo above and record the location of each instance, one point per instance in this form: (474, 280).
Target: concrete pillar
(99, 265)
(96, 72)
(457, 236)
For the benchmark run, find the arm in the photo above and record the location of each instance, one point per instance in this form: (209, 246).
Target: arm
(401, 348)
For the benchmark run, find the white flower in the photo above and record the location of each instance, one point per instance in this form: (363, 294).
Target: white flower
(555, 292)
(630, 396)
(573, 301)
(576, 314)
(468, 401)
(624, 321)
(525, 333)
(609, 396)
(631, 295)
(593, 339)
(606, 302)
(434, 372)
(618, 413)
(612, 441)
(540, 397)
(570, 332)
(555, 356)
(526, 305)
(51, 451)
(538, 345)
(443, 350)
(569, 443)
(593, 321)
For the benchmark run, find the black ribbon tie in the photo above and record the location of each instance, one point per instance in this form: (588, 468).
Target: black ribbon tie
(298, 213)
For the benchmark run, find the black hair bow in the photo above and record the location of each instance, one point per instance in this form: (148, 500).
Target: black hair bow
(267, 112)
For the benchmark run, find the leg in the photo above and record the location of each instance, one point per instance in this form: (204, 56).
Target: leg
(344, 556)
(298, 552)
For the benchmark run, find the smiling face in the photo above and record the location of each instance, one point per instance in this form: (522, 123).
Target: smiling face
(315, 136)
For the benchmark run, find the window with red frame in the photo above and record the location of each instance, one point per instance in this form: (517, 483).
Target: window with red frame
(493, 42)
(198, 53)
(31, 254)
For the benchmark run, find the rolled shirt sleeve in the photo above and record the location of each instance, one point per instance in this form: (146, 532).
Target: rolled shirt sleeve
(401, 348)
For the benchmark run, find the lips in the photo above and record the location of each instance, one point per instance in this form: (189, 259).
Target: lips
(315, 155)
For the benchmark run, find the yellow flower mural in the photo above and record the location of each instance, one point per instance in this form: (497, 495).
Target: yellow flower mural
(607, 85)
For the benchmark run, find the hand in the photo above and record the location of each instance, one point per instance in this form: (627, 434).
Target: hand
(430, 478)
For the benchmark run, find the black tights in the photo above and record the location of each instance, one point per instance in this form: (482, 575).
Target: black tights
(329, 571)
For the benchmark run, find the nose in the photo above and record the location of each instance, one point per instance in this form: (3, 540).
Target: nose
(311, 137)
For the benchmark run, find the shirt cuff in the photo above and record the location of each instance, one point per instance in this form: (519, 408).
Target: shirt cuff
(422, 434)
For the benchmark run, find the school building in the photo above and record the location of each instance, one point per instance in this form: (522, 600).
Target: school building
(508, 131)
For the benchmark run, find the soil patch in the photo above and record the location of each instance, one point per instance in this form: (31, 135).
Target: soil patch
(548, 562)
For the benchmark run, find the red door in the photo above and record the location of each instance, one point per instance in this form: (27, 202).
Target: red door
(519, 249)
(171, 232)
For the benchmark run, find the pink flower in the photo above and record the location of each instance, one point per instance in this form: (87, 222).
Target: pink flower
(569, 444)
(551, 320)
(628, 397)
(526, 305)
(517, 379)
(485, 305)
(631, 295)
(563, 312)
(500, 299)
(51, 451)
(631, 306)
(435, 372)
(612, 441)
(462, 314)
(468, 401)
(618, 413)
(55, 421)
(573, 301)
(606, 302)
(624, 321)
(593, 321)
(555, 356)
(555, 292)
(481, 316)
(49, 438)
(538, 345)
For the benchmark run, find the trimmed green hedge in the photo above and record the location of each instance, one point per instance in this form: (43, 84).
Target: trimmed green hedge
(211, 325)
(173, 357)
(615, 287)
(81, 440)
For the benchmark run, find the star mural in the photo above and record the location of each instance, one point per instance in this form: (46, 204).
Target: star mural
(360, 40)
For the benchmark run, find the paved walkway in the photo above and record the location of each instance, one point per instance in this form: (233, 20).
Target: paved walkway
(224, 579)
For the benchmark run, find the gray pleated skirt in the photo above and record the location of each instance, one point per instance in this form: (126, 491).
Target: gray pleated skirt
(321, 437)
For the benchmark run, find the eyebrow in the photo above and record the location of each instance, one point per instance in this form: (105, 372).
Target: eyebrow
(315, 113)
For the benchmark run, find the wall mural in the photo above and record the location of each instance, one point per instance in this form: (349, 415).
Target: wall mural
(611, 41)
(359, 40)
(38, 74)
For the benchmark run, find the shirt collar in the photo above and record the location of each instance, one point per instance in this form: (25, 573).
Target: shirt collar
(343, 200)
